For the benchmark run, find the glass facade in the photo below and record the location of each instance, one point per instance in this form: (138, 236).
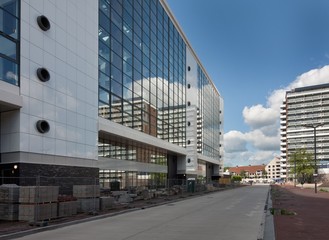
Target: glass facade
(142, 69)
(122, 149)
(208, 117)
(142, 85)
(9, 41)
(126, 179)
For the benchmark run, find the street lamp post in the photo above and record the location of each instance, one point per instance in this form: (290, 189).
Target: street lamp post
(315, 126)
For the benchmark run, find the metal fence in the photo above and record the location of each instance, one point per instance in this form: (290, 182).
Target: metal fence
(45, 198)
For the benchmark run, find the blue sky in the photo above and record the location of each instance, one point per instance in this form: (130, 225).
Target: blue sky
(254, 51)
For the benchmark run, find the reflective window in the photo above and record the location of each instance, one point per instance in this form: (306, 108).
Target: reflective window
(144, 94)
(9, 41)
(8, 71)
(209, 114)
(8, 24)
(7, 47)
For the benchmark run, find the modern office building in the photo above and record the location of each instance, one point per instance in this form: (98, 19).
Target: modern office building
(303, 109)
(110, 88)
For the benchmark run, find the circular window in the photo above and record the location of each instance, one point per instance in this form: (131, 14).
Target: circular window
(43, 126)
(188, 141)
(188, 123)
(43, 74)
(188, 160)
(43, 23)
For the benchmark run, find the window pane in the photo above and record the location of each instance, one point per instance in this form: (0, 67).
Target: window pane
(104, 81)
(116, 88)
(10, 6)
(8, 24)
(104, 51)
(104, 21)
(103, 5)
(104, 96)
(104, 36)
(103, 65)
(7, 47)
(8, 71)
(116, 74)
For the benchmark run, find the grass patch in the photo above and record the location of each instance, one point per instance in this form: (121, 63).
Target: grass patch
(278, 211)
(323, 190)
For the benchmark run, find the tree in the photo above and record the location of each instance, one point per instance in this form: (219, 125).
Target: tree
(243, 173)
(302, 165)
(236, 178)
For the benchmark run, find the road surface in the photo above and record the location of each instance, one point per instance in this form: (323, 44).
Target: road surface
(231, 214)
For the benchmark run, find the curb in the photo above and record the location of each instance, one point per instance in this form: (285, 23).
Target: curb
(266, 231)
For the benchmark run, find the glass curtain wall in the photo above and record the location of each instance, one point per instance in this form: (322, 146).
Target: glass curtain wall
(121, 149)
(9, 41)
(117, 180)
(208, 117)
(142, 60)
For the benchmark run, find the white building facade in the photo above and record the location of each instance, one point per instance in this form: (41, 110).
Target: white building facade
(273, 169)
(104, 87)
(305, 107)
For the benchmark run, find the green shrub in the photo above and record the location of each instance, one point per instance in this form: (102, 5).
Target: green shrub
(236, 178)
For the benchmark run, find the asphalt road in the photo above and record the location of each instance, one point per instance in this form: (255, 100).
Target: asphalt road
(232, 214)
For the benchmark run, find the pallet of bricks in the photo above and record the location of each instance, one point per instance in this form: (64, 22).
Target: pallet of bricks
(87, 197)
(9, 196)
(38, 203)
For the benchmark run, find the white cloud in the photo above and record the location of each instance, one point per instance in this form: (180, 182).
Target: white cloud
(312, 77)
(258, 116)
(262, 142)
(234, 141)
(261, 157)
(237, 158)
(259, 140)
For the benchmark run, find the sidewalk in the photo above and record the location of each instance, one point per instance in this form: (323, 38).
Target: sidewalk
(300, 213)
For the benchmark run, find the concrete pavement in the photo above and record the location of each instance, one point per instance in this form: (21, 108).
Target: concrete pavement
(231, 214)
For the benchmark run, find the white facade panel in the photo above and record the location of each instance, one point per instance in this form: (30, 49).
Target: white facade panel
(73, 66)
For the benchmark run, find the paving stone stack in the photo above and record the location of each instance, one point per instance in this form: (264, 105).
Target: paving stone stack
(67, 206)
(88, 197)
(38, 203)
(106, 203)
(9, 196)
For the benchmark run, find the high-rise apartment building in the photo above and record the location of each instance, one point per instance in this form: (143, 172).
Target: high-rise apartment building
(303, 107)
(283, 140)
(104, 88)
